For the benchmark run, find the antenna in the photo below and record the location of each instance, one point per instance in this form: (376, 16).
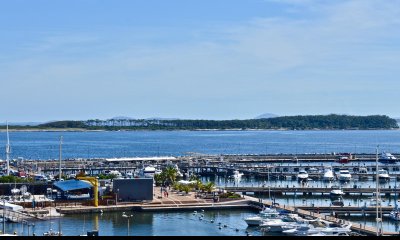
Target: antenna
(8, 151)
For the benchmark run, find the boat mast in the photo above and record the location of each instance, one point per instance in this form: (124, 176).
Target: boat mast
(59, 177)
(378, 220)
(8, 151)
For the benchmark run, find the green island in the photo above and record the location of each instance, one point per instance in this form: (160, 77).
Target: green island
(306, 122)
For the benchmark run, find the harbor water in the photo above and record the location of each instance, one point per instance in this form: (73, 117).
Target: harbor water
(44, 145)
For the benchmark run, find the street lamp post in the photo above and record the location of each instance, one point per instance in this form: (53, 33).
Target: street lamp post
(4, 216)
(116, 197)
(269, 186)
(128, 217)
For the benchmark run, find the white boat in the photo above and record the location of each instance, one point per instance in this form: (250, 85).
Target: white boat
(336, 193)
(328, 175)
(149, 171)
(265, 214)
(52, 233)
(284, 223)
(237, 174)
(344, 175)
(387, 158)
(383, 175)
(395, 215)
(302, 176)
(319, 227)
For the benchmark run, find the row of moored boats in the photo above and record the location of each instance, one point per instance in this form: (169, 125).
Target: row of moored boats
(272, 221)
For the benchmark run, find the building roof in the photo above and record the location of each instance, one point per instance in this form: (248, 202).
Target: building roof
(71, 185)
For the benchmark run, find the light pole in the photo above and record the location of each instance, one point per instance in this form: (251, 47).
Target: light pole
(4, 216)
(269, 186)
(61, 141)
(378, 220)
(116, 197)
(128, 217)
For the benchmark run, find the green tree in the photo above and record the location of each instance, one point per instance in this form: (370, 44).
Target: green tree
(208, 187)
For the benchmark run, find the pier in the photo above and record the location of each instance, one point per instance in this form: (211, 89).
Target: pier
(309, 190)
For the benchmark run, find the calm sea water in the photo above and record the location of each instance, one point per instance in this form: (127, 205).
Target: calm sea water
(45, 145)
(146, 224)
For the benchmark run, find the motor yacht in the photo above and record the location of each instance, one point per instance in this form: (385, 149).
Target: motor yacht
(302, 176)
(336, 193)
(328, 175)
(387, 158)
(284, 223)
(344, 175)
(319, 226)
(383, 175)
(265, 214)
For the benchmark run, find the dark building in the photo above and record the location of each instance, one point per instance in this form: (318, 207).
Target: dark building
(131, 190)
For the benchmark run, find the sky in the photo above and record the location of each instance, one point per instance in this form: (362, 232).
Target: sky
(224, 59)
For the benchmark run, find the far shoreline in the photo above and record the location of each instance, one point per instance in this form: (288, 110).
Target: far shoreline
(188, 130)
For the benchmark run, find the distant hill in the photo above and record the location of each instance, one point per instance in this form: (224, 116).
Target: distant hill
(267, 115)
(159, 118)
(306, 122)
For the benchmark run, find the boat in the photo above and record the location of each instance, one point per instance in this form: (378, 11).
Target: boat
(345, 158)
(383, 175)
(302, 176)
(265, 214)
(52, 233)
(313, 170)
(237, 174)
(286, 222)
(387, 158)
(149, 171)
(336, 193)
(337, 202)
(344, 175)
(395, 214)
(328, 175)
(319, 226)
(363, 172)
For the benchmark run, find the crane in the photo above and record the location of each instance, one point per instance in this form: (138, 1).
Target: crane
(95, 184)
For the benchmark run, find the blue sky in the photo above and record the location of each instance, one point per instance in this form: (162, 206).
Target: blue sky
(225, 59)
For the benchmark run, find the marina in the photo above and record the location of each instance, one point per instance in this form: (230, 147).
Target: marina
(311, 186)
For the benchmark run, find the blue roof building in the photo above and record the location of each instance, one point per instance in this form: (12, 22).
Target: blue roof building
(74, 189)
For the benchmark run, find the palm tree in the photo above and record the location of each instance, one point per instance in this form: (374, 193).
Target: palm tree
(197, 185)
(170, 175)
(208, 187)
(158, 179)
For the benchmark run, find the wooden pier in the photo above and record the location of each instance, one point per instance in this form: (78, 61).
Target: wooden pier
(308, 190)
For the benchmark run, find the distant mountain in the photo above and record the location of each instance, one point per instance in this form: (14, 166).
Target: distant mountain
(159, 118)
(22, 124)
(122, 118)
(267, 115)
